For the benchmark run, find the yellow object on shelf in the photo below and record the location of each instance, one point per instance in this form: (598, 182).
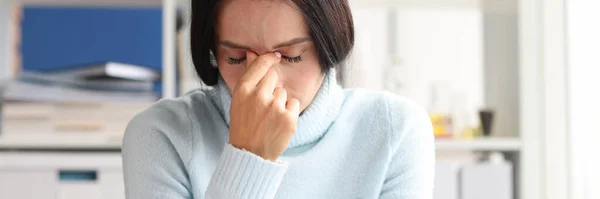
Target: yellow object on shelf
(470, 132)
(440, 125)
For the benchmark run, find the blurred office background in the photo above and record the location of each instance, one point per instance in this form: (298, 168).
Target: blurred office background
(510, 85)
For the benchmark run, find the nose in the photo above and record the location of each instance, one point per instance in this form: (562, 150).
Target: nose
(251, 56)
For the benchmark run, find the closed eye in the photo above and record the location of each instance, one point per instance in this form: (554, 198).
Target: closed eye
(296, 59)
(293, 59)
(234, 61)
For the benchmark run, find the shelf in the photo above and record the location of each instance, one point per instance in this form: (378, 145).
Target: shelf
(479, 144)
(92, 2)
(106, 142)
(75, 141)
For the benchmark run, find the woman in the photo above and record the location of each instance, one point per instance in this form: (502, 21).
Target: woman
(275, 123)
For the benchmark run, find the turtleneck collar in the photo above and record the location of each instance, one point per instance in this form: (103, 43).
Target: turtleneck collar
(314, 120)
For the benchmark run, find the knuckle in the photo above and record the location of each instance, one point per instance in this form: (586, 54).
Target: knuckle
(280, 93)
(263, 98)
(276, 105)
(243, 88)
(281, 90)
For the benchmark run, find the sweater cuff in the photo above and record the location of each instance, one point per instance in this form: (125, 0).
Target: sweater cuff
(242, 174)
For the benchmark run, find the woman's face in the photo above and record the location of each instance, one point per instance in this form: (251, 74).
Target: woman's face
(267, 26)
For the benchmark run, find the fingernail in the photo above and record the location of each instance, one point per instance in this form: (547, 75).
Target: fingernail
(278, 54)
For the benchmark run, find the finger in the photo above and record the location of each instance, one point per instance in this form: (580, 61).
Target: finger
(268, 82)
(250, 57)
(280, 95)
(259, 67)
(293, 106)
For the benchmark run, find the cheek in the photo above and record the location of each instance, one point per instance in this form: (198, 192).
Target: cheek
(303, 80)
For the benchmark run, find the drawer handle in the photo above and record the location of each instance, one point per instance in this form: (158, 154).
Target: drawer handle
(71, 176)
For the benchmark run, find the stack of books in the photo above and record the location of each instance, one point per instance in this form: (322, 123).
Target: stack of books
(90, 99)
(35, 119)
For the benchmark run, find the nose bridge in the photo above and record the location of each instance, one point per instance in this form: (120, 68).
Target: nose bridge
(261, 50)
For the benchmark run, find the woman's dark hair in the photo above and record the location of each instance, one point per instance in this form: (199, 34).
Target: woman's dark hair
(329, 21)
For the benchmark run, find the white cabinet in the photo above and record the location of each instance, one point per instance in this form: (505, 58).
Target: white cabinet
(25, 175)
(446, 180)
(455, 180)
(485, 180)
(23, 184)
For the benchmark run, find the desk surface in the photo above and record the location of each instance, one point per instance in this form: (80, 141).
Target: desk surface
(60, 142)
(77, 141)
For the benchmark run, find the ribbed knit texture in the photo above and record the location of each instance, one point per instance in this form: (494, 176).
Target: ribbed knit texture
(263, 179)
(349, 144)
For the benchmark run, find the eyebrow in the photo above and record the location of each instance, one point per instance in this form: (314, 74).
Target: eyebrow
(292, 42)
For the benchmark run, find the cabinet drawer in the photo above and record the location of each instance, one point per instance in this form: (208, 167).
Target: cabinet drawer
(103, 184)
(27, 184)
(25, 175)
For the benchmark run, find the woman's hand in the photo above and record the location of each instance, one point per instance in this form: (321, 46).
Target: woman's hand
(263, 118)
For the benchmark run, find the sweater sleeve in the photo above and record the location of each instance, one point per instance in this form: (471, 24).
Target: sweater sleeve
(157, 152)
(241, 174)
(410, 173)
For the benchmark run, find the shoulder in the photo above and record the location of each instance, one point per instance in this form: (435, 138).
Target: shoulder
(395, 107)
(404, 119)
(164, 123)
(167, 123)
(168, 115)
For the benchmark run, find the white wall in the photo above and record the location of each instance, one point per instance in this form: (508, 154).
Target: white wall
(584, 96)
(442, 49)
(430, 46)
(370, 56)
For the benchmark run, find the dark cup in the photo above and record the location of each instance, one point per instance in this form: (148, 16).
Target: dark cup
(486, 118)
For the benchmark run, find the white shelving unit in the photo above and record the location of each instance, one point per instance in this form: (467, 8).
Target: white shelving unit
(61, 142)
(46, 155)
(479, 144)
(102, 142)
(105, 142)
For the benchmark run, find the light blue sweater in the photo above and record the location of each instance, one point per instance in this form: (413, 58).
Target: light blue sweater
(348, 144)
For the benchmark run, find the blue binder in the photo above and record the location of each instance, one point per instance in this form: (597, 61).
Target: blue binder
(61, 37)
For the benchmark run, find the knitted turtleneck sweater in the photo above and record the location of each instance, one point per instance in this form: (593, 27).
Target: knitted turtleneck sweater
(348, 144)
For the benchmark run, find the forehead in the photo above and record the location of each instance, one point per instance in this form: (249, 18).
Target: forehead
(260, 23)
